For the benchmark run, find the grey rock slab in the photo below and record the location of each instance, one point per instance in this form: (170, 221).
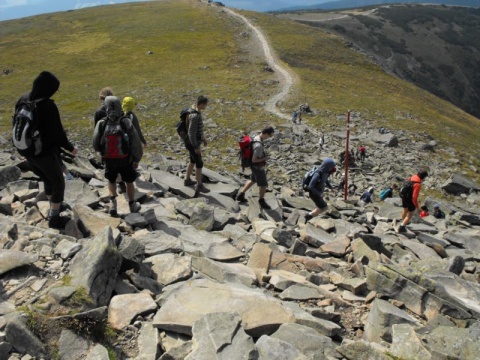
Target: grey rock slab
(78, 192)
(459, 184)
(62, 293)
(310, 343)
(159, 242)
(11, 259)
(445, 342)
(300, 293)
(223, 251)
(172, 183)
(91, 222)
(96, 266)
(5, 349)
(337, 247)
(260, 313)
(133, 252)
(170, 268)
(423, 252)
(23, 340)
(98, 352)
(148, 339)
(271, 348)
(389, 211)
(430, 240)
(178, 353)
(315, 237)
(468, 240)
(323, 327)
(298, 203)
(406, 344)
(430, 229)
(124, 308)
(221, 201)
(381, 318)
(216, 177)
(136, 220)
(282, 279)
(229, 190)
(9, 174)
(71, 346)
(389, 139)
(355, 285)
(225, 272)
(6, 307)
(361, 350)
(221, 336)
(66, 248)
(260, 259)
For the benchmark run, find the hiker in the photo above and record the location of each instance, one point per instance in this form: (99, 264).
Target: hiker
(193, 143)
(299, 117)
(295, 116)
(321, 142)
(341, 185)
(366, 197)
(117, 140)
(388, 192)
(43, 158)
(101, 113)
(424, 211)
(362, 153)
(437, 213)
(316, 187)
(259, 174)
(128, 104)
(409, 194)
(245, 152)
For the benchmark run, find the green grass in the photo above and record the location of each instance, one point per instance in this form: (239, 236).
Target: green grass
(197, 50)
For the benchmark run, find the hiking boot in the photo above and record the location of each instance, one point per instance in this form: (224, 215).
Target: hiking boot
(264, 205)
(189, 182)
(200, 188)
(402, 229)
(134, 207)
(58, 222)
(112, 207)
(308, 217)
(241, 197)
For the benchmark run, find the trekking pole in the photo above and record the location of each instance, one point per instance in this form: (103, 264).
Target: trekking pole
(347, 152)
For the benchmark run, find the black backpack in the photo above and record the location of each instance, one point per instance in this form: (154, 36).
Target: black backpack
(115, 142)
(308, 177)
(182, 125)
(406, 191)
(26, 135)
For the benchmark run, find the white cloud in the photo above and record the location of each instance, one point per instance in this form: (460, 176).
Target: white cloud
(12, 3)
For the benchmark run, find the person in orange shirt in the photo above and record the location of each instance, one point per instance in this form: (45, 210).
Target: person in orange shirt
(409, 194)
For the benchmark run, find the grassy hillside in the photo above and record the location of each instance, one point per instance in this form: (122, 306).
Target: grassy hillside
(197, 49)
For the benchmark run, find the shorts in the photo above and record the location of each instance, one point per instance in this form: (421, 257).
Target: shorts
(259, 176)
(194, 157)
(123, 167)
(318, 200)
(408, 204)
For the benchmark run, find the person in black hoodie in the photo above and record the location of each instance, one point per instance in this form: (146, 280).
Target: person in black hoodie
(46, 164)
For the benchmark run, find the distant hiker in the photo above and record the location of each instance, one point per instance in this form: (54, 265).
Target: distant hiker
(437, 213)
(367, 196)
(194, 139)
(409, 194)
(101, 113)
(316, 186)
(259, 174)
(424, 211)
(362, 153)
(38, 133)
(342, 157)
(382, 131)
(341, 185)
(128, 104)
(117, 140)
(299, 117)
(388, 192)
(321, 141)
(295, 116)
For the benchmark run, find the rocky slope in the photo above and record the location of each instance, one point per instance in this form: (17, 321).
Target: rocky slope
(433, 47)
(207, 278)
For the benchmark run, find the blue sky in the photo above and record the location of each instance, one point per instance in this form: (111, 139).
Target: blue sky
(11, 9)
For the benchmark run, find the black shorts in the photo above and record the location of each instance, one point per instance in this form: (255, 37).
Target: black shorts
(194, 157)
(318, 200)
(259, 176)
(408, 204)
(123, 167)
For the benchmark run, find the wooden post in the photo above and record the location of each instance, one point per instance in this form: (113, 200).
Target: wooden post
(347, 155)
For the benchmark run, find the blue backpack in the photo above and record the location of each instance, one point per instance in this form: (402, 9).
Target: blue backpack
(384, 194)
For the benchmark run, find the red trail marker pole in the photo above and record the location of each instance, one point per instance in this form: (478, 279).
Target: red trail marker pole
(347, 155)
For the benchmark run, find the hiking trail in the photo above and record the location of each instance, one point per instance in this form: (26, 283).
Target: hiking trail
(287, 78)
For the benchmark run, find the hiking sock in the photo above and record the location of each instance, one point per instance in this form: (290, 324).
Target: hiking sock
(53, 213)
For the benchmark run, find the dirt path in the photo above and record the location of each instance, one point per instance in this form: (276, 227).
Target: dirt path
(287, 79)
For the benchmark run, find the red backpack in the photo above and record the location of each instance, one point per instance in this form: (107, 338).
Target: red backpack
(245, 143)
